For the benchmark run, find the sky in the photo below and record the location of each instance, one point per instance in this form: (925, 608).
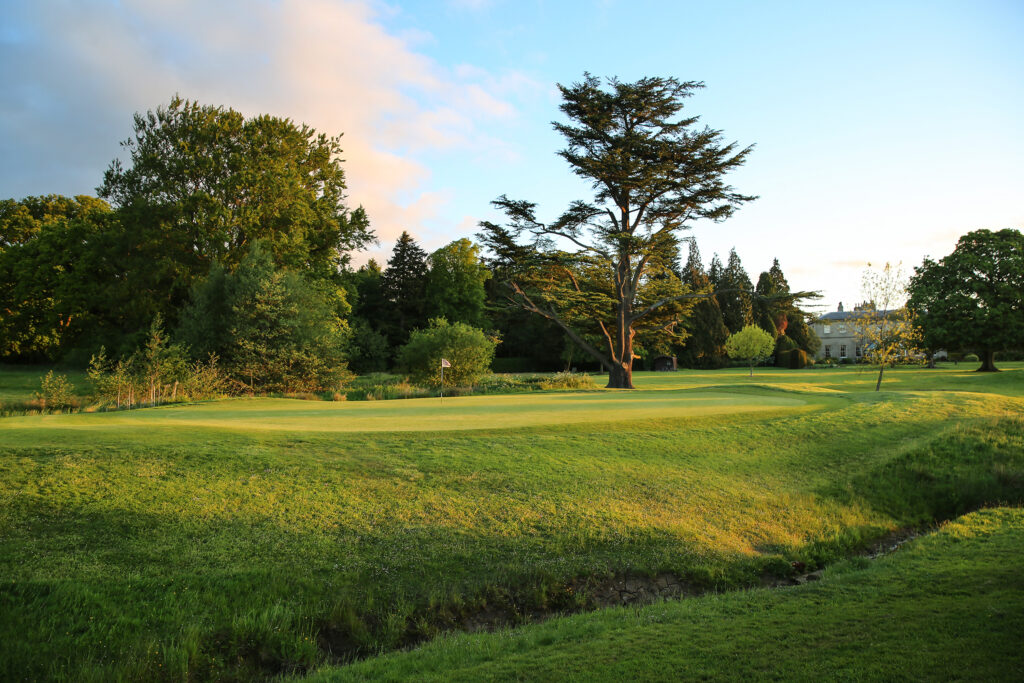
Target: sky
(882, 131)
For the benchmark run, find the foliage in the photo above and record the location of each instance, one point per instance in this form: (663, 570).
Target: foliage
(733, 292)
(158, 372)
(568, 380)
(56, 392)
(971, 299)
(369, 349)
(705, 347)
(210, 181)
(751, 344)
(404, 284)
(273, 329)
(885, 325)
(455, 284)
(63, 286)
(22, 221)
(651, 174)
(468, 349)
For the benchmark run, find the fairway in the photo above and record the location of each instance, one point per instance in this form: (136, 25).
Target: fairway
(251, 538)
(427, 414)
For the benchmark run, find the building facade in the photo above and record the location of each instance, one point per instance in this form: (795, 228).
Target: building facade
(838, 333)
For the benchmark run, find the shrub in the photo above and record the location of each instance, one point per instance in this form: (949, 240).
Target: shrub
(568, 380)
(468, 349)
(56, 392)
(971, 358)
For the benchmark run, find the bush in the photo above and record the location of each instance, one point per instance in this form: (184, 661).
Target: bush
(568, 380)
(468, 349)
(971, 358)
(56, 392)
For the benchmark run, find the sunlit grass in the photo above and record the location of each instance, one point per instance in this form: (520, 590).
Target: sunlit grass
(221, 539)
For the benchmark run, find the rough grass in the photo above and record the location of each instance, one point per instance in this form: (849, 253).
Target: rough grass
(248, 538)
(948, 606)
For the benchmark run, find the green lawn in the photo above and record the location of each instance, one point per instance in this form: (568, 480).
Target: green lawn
(949, 606)
(250, 537)
(19, 383)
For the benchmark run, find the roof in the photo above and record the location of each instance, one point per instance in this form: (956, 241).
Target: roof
(850, 315)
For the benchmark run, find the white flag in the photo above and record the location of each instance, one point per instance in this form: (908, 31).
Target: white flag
(445, 364)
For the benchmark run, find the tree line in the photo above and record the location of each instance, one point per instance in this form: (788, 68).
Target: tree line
(235, 234)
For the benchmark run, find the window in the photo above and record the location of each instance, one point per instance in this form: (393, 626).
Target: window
(828, 350)
(828, 330)
(842, 351)
(857, 350)
(842, 329)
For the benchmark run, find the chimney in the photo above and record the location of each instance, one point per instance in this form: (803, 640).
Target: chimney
(840, 306)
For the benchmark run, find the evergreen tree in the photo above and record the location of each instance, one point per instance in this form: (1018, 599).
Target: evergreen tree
(716, 272)
(404, 285)
(705, 347)
(733, 297)
(777, 314)
(767, 315)
(652, 171)
(274, 329)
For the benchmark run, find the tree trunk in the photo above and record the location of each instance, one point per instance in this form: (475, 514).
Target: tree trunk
(620, 374)
(988, 361)
(878, 384)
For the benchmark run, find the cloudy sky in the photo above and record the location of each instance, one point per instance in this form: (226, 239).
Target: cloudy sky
(883, 131)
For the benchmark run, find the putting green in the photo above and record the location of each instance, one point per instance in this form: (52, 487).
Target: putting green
(429, 414)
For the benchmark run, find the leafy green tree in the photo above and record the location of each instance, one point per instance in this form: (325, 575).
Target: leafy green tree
(971, 298)
(404, 286)
(65, 286)
(884, 324)
(455, 283)
(467, 348)
(652, 173)
(203, 183)
(751, 343)
(705, 347)
(22, 220)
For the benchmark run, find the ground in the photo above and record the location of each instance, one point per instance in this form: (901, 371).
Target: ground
(259, 537)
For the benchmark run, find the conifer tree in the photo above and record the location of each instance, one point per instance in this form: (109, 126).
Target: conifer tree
(734, 294)
(404, 285)
(705, 347)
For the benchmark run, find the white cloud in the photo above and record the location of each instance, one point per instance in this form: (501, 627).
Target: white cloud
(78, 70)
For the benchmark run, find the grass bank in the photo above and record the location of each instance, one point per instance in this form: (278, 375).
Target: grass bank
(946, 606)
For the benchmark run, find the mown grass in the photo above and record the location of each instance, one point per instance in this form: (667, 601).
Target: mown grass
(19, 383)
(246, 538)
(948, 606)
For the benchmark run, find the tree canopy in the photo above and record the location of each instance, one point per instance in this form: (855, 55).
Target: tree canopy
(203, 182)
(602, 270)
(751, 343)
(972, 298)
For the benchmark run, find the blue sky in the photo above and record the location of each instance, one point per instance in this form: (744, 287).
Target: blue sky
(883, 131)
